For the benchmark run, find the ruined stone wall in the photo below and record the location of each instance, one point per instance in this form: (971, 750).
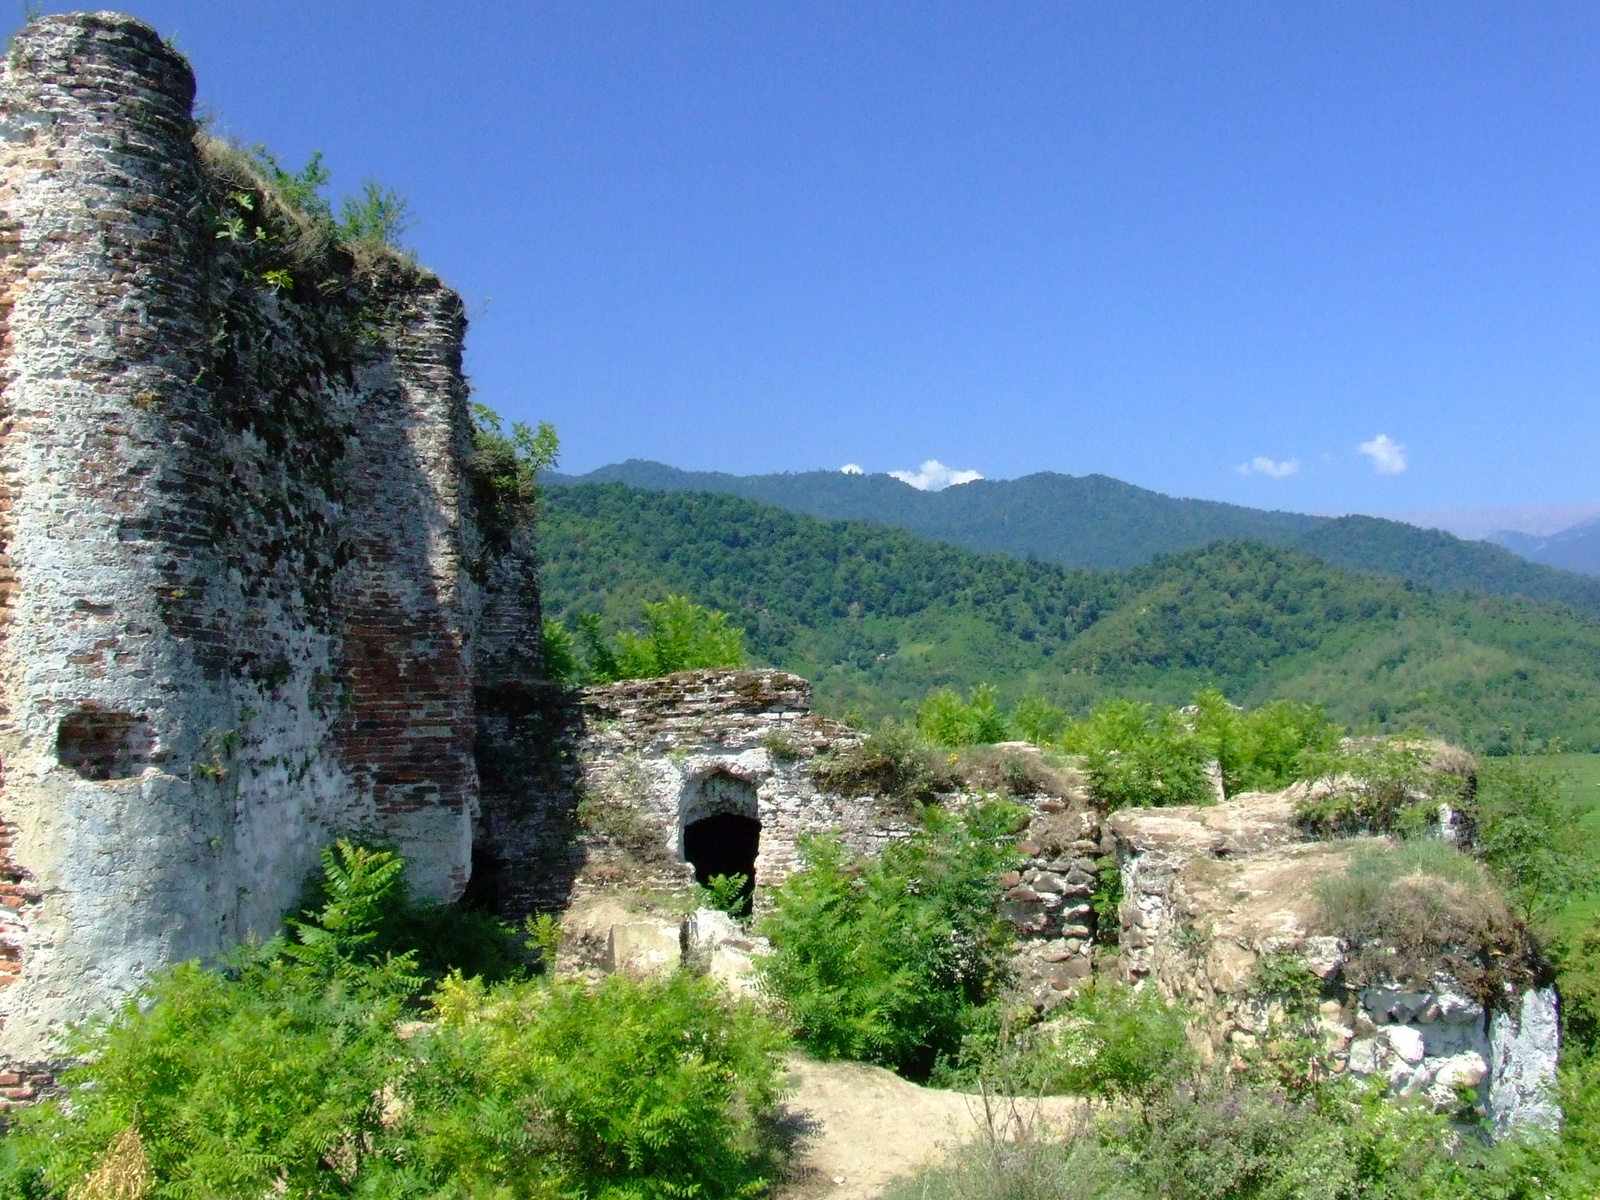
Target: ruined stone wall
(240, 576)
(604, 783)
(1211, 893)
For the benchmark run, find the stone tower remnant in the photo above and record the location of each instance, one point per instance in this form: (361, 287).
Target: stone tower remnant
(242, 585)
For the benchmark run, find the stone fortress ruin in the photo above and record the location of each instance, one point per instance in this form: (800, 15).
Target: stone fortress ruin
(252, 599)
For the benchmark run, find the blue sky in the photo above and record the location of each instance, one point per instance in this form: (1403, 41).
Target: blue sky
(1159, 241)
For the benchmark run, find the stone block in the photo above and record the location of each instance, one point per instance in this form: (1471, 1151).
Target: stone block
(1406, 1042)
(1070, 973)
(643, 946)
(735, 970)
(1460, 1070)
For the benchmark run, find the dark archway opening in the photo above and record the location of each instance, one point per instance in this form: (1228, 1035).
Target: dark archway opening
(724, 844)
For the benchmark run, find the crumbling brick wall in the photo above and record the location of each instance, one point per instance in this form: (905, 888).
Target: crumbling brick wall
(240, 581)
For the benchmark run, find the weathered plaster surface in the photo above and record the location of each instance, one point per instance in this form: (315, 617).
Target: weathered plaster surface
(238, 596)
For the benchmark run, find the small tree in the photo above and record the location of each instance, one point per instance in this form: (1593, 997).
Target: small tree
(1531, 838)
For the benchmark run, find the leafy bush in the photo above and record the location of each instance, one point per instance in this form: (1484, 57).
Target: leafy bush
(561, 661)
(379, 215)
(677, 636)
(652, 1088)
(945, 720)
(1383, 785)
(1106, 901)
(882, 959)
(236, 1079)
(504, 470)
(1531, 836)
(1038, 721)
(1412, 910)
(285, 1073)
(1265, 747)
(1109, 1041)
(1138, 755)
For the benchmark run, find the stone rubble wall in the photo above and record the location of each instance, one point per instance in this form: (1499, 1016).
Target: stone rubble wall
(596, 790)
(241, 583)
(1209, 892)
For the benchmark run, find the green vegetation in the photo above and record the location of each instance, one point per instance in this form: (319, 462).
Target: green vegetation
(878, 619)
(1221, 1140)
(946, 720)
(1095, 521)
(1108, 1040)
(289, 1072)
(1140, 754)
(886, 959)
(377, 217)
(503, 471)
(1532, 838)
(1379, 786)
(1410, 910)
(677, 635)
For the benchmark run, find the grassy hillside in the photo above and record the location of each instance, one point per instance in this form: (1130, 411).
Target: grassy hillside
(1096, 521)
(877, 617)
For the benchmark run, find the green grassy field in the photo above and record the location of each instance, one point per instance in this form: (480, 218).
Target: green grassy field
(1582, 773)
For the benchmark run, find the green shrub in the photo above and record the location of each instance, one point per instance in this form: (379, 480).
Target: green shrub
(1220, 1140)
(237, 1079)
(379, 215)
(561, 662)
(1037, 720)
(946, 720)
(1385, 785)
(1106, 901)
(661, 1087)
(1110, 1040)
(892, 761)
(1114, 1041)
(284, 1073)
(1531, 835)
(504, 470)
(881, 959)
(677, 636)
(1138, 755)
(1262, 748)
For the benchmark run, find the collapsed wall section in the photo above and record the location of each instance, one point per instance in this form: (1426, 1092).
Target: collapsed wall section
(236, 598)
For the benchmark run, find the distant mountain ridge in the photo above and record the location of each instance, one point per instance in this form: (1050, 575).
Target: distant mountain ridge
(1099, 522)
(1574, 549)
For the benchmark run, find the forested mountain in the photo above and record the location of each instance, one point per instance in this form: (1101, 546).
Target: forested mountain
(1097, 521)
(877, 617)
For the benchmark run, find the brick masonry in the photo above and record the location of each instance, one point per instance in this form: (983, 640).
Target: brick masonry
(241, 586)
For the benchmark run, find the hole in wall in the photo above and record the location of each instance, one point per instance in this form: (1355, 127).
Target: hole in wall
(97, 744)
(724, 844)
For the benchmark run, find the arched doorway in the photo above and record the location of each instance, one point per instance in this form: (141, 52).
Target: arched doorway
(721, 832)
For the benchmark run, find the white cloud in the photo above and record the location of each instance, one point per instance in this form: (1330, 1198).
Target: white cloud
(934, 476)
(851, 469)
(1388, 456)
(1262, 465)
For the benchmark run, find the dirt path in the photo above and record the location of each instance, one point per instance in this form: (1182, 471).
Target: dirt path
(864, 1126)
